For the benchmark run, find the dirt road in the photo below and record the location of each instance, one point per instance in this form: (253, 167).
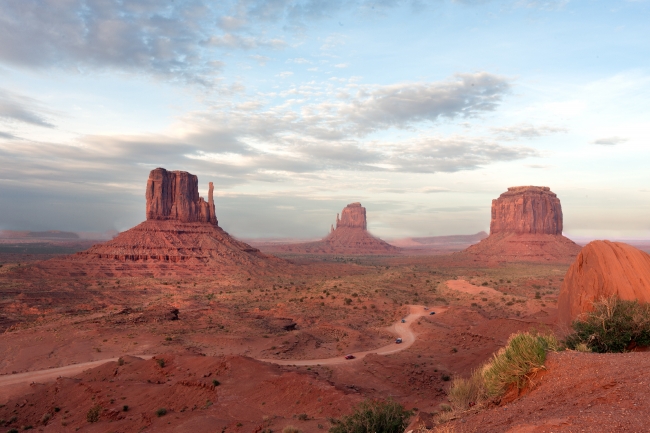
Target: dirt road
(399, 329)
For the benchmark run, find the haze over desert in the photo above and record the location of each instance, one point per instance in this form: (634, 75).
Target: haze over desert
(297, 216)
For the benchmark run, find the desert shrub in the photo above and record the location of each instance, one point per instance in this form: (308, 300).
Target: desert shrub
(465, 393)
(374, 416)
(303, 417)
(161, 362)
(215, 382)
(45, 418)
(523, 356)
(161, 412)
(93, 413)
(120, 361)
(13, 430)
(291, 429)
(614, 325)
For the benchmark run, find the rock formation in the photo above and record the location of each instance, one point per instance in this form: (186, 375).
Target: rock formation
(181, 227)
(174, 195)
(527, 210)
(603, 269)
(349, 237)
(526, 225)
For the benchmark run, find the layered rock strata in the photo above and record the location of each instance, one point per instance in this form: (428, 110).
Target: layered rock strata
(526, 225)
(181, 227)
(603, 269)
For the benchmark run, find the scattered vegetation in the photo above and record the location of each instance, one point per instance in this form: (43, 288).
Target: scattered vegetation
(370, 416)
(93, 413)
(161, 362)
(291, 429)
(614, 325)
(161, 412)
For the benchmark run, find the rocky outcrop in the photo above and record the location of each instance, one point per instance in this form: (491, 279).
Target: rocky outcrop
(526, 225)
(174, 195)
(601, 270)
(352, 216)
(527, 210)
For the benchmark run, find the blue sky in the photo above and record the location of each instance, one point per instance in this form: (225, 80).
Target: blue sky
(422, 110)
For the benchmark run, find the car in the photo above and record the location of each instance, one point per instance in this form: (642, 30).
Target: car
(350, 356)
(426, 308)
(403, 320)
(432, 313)
(398, 341)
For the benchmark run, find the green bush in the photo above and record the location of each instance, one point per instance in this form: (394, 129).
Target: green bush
(161, 412)
(374, 416)
(613, 326)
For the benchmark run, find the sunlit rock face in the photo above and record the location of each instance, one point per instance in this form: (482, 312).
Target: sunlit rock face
(352, 216)
(174, 195)
(527, 210)
(601, 270)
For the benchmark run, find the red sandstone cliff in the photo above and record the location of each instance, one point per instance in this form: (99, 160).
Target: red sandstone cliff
(174, 195)
(352, 216)
(526, 225)
(603, 269)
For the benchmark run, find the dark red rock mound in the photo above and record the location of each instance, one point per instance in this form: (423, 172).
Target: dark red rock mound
(603, 269)
(526, 225)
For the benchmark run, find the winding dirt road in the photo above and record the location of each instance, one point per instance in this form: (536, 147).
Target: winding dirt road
(398, 329)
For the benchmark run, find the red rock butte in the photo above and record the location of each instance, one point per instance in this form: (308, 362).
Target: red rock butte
(601, 270)
(180, 227)
(526, 225)
(350, 236)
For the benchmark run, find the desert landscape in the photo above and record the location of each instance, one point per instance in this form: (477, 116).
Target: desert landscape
(341, 216)
(174, 325)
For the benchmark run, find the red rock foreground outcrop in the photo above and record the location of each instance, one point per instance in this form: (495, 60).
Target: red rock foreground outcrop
(181, 227)
(349, 237)
(601, 270)
(526, 225)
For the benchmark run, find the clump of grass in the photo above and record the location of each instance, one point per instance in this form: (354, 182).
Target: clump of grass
(291, 429)
(515, 364)
(161, 412)
(370, 416)
(614, 325)
(161, 362)
(522, 357)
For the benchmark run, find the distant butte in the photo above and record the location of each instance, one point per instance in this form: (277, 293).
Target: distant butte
(350, 236)
(526, 225)
(181, 227)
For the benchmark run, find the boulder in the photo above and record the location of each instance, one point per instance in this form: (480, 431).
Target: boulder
(174, 195)
(601, 270)
(527, 209)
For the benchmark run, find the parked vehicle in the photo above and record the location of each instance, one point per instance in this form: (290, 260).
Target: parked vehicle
(432, 313)
(426, 308)
(403, 320)
(398, 341)
(350, 356)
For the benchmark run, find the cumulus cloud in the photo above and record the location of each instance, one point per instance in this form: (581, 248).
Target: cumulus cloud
(609, 141)
(19, 108)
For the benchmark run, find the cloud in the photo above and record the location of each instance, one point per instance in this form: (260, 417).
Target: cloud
(230, 40)
(538, 166)
(433, 189)
(609, 141)
(7, 135)
(464, 95)
(15, 107)
(525, 130)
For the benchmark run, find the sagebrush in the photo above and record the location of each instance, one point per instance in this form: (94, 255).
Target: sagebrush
(374, 416)
(614, 325)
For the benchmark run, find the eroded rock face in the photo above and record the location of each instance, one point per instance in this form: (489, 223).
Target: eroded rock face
(352, 216)
(174, 195)
(603, 269)
(527, 210)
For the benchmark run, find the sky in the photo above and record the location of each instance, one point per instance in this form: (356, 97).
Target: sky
(423, 111)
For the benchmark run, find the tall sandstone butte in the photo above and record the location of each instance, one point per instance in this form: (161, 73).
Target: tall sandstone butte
(527, 209)
(526, 225)
(603, 269)
(174, 195)
(181, 227)
(353, 216)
